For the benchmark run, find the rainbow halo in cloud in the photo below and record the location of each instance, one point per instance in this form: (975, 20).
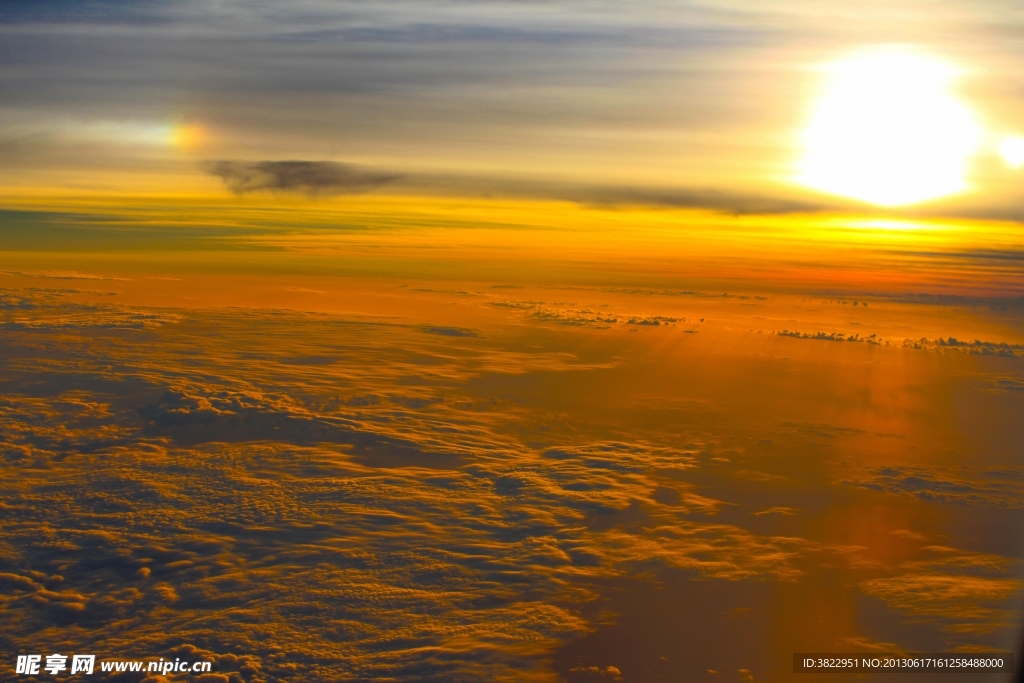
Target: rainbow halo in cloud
(132, 133)
(889, 130)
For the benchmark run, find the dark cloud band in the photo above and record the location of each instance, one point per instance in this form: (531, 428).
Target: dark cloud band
(327, 178)
(303, 177)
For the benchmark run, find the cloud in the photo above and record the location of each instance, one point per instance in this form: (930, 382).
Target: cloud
(960, 592)
(327, 178)
(778, 510)
(977, 347)
(726, 201)
(1005, 384)
(449, 331)
(999, 487)
(426, 506)
(99, 319)
(70, 275)
(316, 178)
(384, 524)
(964, 604)
(75, 11)
(567, 314)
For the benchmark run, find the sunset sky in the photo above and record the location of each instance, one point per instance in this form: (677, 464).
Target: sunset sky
(663, 103)
(562, 341)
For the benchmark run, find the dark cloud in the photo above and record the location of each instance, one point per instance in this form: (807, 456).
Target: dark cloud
(324, 178)
(1009, 384)
(449, 331)
(977, 346)
(304, 177)
(605, 195)
(704, 198)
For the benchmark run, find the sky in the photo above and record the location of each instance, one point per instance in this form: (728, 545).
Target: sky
(563, 342)
(659, 103)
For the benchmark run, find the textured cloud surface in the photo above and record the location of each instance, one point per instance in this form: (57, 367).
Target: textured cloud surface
(504, 494)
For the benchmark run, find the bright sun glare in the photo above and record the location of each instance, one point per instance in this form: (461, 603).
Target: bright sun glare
(889, 131)
(1012, 149)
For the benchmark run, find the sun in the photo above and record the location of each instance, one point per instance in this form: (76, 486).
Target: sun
(1012, 150)
(889, 130)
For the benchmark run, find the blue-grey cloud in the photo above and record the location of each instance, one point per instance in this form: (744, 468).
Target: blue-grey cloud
(325, 178)
(306, 177)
